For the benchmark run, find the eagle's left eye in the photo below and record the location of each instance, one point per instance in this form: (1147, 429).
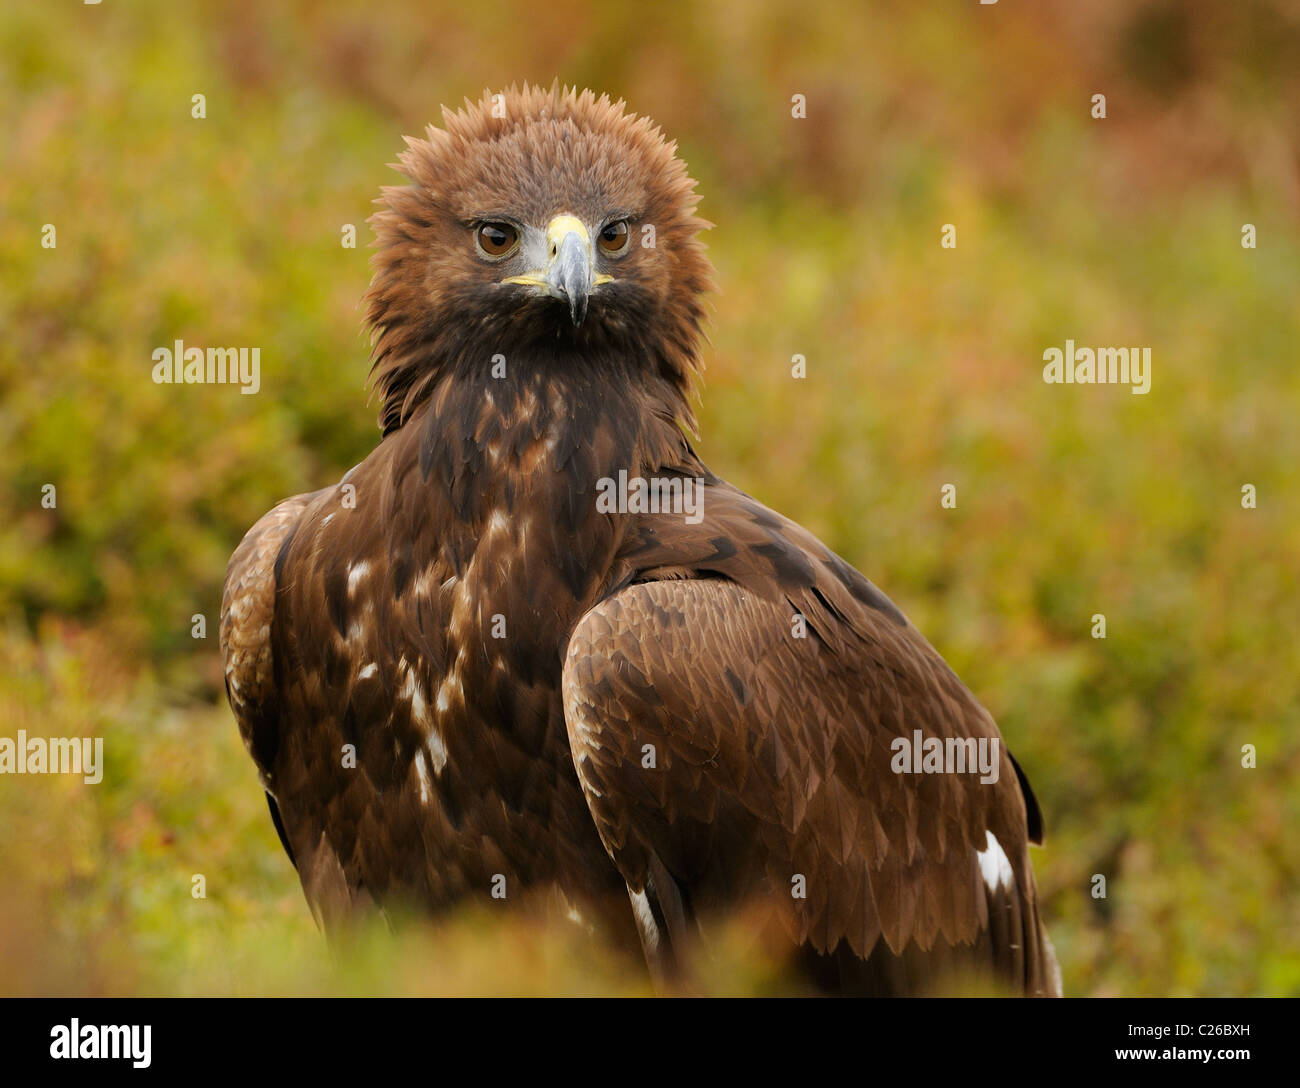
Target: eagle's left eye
(496, 239)
(614, 237)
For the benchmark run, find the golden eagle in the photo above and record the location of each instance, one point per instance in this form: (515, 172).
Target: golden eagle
(531, 644)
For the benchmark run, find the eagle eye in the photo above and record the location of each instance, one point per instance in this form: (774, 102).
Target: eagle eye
(614, 237)
(496, 239)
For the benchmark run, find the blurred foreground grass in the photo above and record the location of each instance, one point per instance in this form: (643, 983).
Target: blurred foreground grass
(924, 369)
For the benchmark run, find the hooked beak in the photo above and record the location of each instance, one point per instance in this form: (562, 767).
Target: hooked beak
(570, 272)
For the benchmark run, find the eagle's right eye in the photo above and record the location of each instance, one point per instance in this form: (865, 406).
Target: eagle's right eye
(614, 237)
(496, 239)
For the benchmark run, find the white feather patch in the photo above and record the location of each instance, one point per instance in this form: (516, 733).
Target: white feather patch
(645, 918)
(423, 772)
(994, 866)
(355, 574)
(437, 750)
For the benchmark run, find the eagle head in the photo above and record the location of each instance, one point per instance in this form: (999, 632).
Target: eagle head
(548, 223)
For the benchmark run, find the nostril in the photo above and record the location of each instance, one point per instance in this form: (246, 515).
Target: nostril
(554, 250)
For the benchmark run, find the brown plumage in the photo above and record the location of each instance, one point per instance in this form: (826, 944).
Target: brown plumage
(548, 696)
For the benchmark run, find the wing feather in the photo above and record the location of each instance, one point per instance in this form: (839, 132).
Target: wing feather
(775, 752)
(247, 612)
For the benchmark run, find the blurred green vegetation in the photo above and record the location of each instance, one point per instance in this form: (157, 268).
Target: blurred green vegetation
(923, 369)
